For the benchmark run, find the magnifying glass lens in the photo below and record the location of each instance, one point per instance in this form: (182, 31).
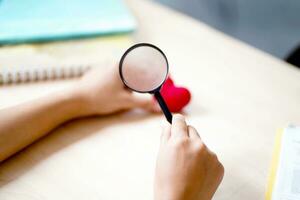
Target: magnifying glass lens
(144, 68)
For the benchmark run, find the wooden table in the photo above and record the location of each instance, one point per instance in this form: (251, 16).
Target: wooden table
(241, 96)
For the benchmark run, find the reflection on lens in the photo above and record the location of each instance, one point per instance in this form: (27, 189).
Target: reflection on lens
(144, 68)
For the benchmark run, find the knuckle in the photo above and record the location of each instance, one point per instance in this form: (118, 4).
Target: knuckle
(181, 142)
(214, 157)
(218, 165)
(191, 128)
(221, 168)
(200, 147)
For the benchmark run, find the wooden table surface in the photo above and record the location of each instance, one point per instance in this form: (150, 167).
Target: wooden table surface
(241, 96)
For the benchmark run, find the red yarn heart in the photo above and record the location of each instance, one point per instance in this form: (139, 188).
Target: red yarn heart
(175, 97)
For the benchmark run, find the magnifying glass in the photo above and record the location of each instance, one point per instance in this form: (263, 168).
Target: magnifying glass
(144, 68)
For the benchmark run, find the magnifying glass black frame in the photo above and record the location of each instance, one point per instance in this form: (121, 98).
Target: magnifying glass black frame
(156, 91)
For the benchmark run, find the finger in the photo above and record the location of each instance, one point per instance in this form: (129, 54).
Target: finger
(166, 133)
(142, 101)
(116, 75)
(113, 72)
(155, 108)
(179, 127)
(193, 133)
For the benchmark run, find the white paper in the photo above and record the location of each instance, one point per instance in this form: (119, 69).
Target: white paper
(287, 184)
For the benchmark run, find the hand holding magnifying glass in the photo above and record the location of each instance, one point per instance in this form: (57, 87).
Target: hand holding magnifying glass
(144, 68)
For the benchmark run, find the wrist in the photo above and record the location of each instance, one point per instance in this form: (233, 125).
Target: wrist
(74, 103)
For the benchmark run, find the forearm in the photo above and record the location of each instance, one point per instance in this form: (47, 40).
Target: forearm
(98, 92)
(25, 123)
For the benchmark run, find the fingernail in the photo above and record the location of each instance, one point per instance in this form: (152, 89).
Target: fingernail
(179, 116)
(165, 124)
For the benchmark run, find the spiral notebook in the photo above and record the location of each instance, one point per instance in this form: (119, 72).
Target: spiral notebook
(59, 59)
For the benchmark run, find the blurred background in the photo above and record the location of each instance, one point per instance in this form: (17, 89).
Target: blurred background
(43, 34)
(270, 25)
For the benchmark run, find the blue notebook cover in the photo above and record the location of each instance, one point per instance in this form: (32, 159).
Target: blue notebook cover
(37, 20)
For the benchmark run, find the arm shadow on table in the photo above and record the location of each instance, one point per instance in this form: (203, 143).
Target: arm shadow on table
(60, 138)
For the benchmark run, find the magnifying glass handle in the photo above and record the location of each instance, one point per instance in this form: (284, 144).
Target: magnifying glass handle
(163, 106)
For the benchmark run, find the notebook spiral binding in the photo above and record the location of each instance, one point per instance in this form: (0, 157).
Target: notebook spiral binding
(20, 75)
